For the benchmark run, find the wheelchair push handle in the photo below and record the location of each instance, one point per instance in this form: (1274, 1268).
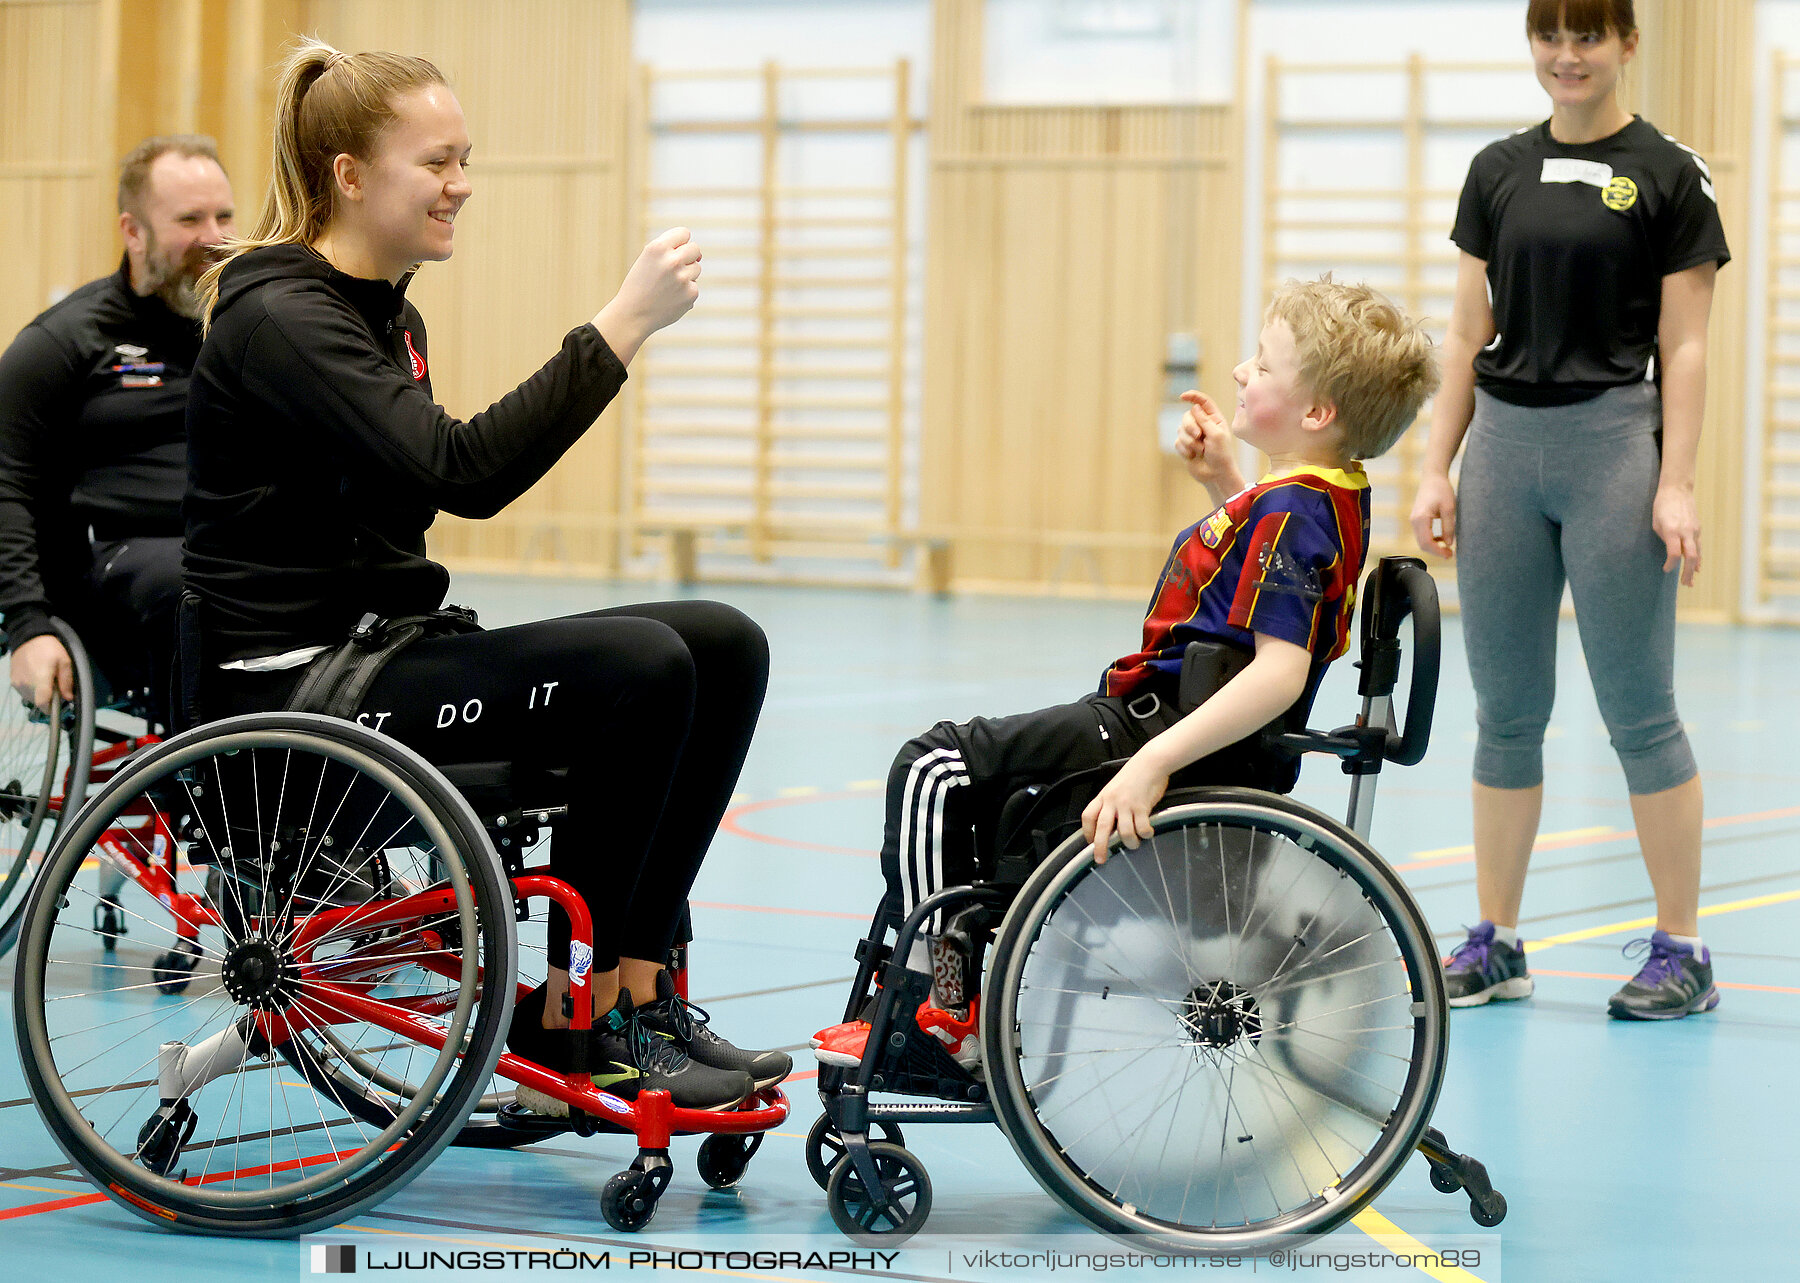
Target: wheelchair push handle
(1399, 588)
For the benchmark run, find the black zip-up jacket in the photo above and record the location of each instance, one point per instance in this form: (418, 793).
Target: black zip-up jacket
(93, 394)
(317, 458)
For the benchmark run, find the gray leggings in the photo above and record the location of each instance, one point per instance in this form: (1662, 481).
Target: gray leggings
(1549, 493)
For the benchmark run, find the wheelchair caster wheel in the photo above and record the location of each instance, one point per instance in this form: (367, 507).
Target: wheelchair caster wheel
(1489, 1211)
(723, 1158)
(164, 1135)
(175, 967)
(1444, 1181)
(629, 1200)
(109, 922)
(895, 1213)
(825, 1148)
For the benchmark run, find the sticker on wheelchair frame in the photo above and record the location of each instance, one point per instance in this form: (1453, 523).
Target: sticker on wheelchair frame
(581, 960)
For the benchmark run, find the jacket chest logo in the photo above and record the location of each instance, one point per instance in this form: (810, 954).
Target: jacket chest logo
(1214, 527)
(1620, 194)
(418, 362)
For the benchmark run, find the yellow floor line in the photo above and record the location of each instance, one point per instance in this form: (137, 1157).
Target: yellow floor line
(1591, 831)
(40, 1189)
(1398, 1241)
(1639, 924)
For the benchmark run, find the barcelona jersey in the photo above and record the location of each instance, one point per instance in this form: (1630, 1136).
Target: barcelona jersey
(1281, 557)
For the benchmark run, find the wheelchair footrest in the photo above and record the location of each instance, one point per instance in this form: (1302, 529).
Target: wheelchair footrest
(910, 1061)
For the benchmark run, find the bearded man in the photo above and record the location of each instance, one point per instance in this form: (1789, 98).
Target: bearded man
(93, 453)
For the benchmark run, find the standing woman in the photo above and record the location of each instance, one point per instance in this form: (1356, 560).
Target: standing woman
(1580, 388)
(317, 459)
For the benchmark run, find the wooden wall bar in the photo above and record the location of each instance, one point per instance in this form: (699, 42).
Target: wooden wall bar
(1695, 78)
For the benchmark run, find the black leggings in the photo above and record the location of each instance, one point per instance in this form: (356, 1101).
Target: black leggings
(649, 709)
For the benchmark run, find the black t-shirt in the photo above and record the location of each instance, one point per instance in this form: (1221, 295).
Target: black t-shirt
(1577, 238)
(93, 402)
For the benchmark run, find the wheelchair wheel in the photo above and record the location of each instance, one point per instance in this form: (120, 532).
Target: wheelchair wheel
(358, 906)
(33, 747)
(1235, 1031)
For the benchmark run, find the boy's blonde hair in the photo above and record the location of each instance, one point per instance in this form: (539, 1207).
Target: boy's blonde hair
(1362, 354)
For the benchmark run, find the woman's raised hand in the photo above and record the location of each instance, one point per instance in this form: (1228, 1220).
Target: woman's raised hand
(658, 291)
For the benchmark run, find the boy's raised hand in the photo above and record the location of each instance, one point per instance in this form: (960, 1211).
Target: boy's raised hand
(1205, 441)
(1123, 807)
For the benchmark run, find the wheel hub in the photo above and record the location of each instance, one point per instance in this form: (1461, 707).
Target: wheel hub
(257, 975)
(1219, 1013)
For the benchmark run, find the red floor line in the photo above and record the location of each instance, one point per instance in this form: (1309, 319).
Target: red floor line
(81, 1200)
(54, 1205)
(767, 908)
(729, 824)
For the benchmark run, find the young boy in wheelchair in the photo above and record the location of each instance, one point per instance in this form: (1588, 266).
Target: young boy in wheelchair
(1265, 583)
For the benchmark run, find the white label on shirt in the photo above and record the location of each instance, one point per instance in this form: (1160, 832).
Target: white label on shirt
(1566, 169)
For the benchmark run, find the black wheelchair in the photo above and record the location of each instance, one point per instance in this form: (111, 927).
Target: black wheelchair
(1235, 1032)
(353, 926)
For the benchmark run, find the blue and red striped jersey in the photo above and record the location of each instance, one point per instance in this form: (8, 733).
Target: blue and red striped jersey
(1281, 557)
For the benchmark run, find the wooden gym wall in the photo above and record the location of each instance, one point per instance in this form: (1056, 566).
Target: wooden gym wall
(1065, 244)
(545, 85)
(1695, 80)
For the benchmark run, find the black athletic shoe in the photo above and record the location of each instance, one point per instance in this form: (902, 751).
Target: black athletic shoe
(663, 1062)
(1671, 984)
(673, 1016)
(554, 1049)
(1483, 969)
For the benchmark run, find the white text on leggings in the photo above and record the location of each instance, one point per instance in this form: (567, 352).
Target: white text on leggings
(447, 715)
(547, 688)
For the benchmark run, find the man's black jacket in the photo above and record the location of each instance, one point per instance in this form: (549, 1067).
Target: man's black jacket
(93, 397)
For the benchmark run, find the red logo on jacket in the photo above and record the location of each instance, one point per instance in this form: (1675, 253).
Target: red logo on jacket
(418, 362)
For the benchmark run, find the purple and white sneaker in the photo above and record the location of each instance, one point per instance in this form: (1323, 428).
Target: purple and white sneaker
(1483, 969)
(1672, 983)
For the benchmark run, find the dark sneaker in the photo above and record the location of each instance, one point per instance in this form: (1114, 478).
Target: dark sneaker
(1482, 969)
(663, 1062)
(1671, 984)
(674, 1017)
(554, 1049)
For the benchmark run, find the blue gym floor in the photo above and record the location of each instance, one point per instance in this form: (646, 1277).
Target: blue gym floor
(1624, 1150)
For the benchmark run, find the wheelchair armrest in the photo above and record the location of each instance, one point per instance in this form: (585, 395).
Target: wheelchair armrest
(1400, 588)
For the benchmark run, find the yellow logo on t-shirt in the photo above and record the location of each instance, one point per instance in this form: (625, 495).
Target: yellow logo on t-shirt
(1214, 528)
(1620, 193)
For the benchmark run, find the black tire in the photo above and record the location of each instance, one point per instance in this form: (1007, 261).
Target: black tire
(1490, 1212)
(1444, 1181)
(341, 831)
(34, 793)
(629, 1200)
(905, 1187)
(825, 1148)
(724, 1157)
(1254, 971)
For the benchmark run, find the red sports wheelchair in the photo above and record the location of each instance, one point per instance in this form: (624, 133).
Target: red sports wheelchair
(335, 943)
